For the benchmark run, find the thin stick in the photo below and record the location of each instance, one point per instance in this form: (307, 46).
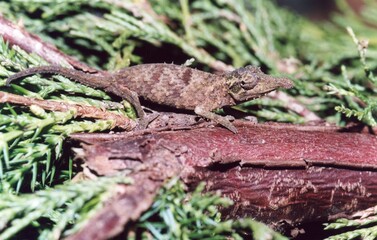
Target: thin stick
(17, 35)
(84, 111)
(292, 104)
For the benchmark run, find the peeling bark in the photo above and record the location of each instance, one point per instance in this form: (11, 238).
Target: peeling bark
(276, 173)
(292, 196)
(131, 200)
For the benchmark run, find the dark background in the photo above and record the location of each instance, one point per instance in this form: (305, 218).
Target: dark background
(316, 9)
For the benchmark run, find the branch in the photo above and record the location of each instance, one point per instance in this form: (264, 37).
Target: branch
(83, 111)
(275, 173)
(292, 104)
(17, 35)
(133, 199)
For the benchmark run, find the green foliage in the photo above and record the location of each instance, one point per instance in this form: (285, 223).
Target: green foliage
(110, 34)
(176, 215)
(362, 226)
(56, 212)
(360, 98)
(333, 77)
(32, 139)
(107, 35)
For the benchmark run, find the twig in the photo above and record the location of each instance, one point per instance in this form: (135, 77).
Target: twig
(186, 20)
(293, 105)
(84, 111)
(17, 35)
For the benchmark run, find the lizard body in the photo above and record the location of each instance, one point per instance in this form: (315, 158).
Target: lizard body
(176, 86)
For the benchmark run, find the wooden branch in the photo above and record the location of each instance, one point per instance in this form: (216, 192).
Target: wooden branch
(80, 110)
(17, 35)
(276, 173)
(132, 200)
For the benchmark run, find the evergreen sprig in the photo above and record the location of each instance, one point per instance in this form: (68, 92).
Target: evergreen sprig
(360, 101)
(110, 34)
(256, 33)
(363, 228)
(32, 138)
(53, 213)
(176, 215)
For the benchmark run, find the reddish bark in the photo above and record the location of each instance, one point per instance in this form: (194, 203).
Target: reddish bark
(130, 202)
(292, 196)
(275, 173)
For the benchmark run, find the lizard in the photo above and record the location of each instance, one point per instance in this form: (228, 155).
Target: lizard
(176, 86)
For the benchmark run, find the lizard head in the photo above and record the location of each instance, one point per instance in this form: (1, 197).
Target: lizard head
(250, 82)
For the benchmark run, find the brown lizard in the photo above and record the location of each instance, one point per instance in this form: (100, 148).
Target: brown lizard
(176, 86)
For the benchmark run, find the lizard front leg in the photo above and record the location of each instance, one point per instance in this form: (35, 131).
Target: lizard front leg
(201, 111)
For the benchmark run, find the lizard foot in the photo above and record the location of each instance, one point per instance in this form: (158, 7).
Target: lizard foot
(143, 123)
(224, 121)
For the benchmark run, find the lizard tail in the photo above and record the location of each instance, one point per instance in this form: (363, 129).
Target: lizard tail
(96, 81)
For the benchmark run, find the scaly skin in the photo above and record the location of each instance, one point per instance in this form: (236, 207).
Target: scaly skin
(176, 86)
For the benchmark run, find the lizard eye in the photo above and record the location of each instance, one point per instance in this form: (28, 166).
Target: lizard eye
(248, 85)
(236, 88)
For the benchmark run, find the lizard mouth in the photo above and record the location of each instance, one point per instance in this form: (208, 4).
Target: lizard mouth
(252, 94)
(264, 87)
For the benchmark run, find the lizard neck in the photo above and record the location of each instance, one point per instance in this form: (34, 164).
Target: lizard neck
(99, 80)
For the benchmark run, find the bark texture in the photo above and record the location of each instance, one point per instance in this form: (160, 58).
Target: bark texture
(131, 200)
(277, 173)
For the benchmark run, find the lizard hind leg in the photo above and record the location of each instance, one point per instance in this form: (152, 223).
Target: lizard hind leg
(216, 118)
(133, 99)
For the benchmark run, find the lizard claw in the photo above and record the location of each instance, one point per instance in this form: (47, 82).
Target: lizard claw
(216, 118)
(143, 123)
